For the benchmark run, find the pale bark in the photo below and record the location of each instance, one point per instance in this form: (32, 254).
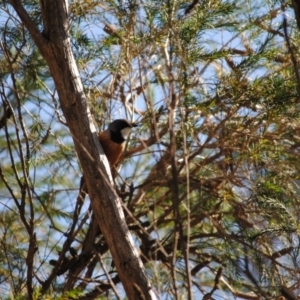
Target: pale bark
(54, 44)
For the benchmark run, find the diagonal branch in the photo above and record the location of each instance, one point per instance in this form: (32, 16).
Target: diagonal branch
(55, 46)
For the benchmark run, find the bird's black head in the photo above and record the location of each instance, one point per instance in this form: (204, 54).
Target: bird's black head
(120, 129)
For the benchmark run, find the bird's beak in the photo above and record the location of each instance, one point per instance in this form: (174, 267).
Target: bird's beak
(135, 124)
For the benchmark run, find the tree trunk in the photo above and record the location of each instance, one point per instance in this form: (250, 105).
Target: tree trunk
(54, 44)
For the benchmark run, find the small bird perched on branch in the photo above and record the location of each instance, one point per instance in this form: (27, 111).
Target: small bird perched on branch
(113, 139)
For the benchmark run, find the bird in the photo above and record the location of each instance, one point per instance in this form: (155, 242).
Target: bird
(113, 139)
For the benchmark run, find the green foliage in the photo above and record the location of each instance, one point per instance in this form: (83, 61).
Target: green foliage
(225, 216)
